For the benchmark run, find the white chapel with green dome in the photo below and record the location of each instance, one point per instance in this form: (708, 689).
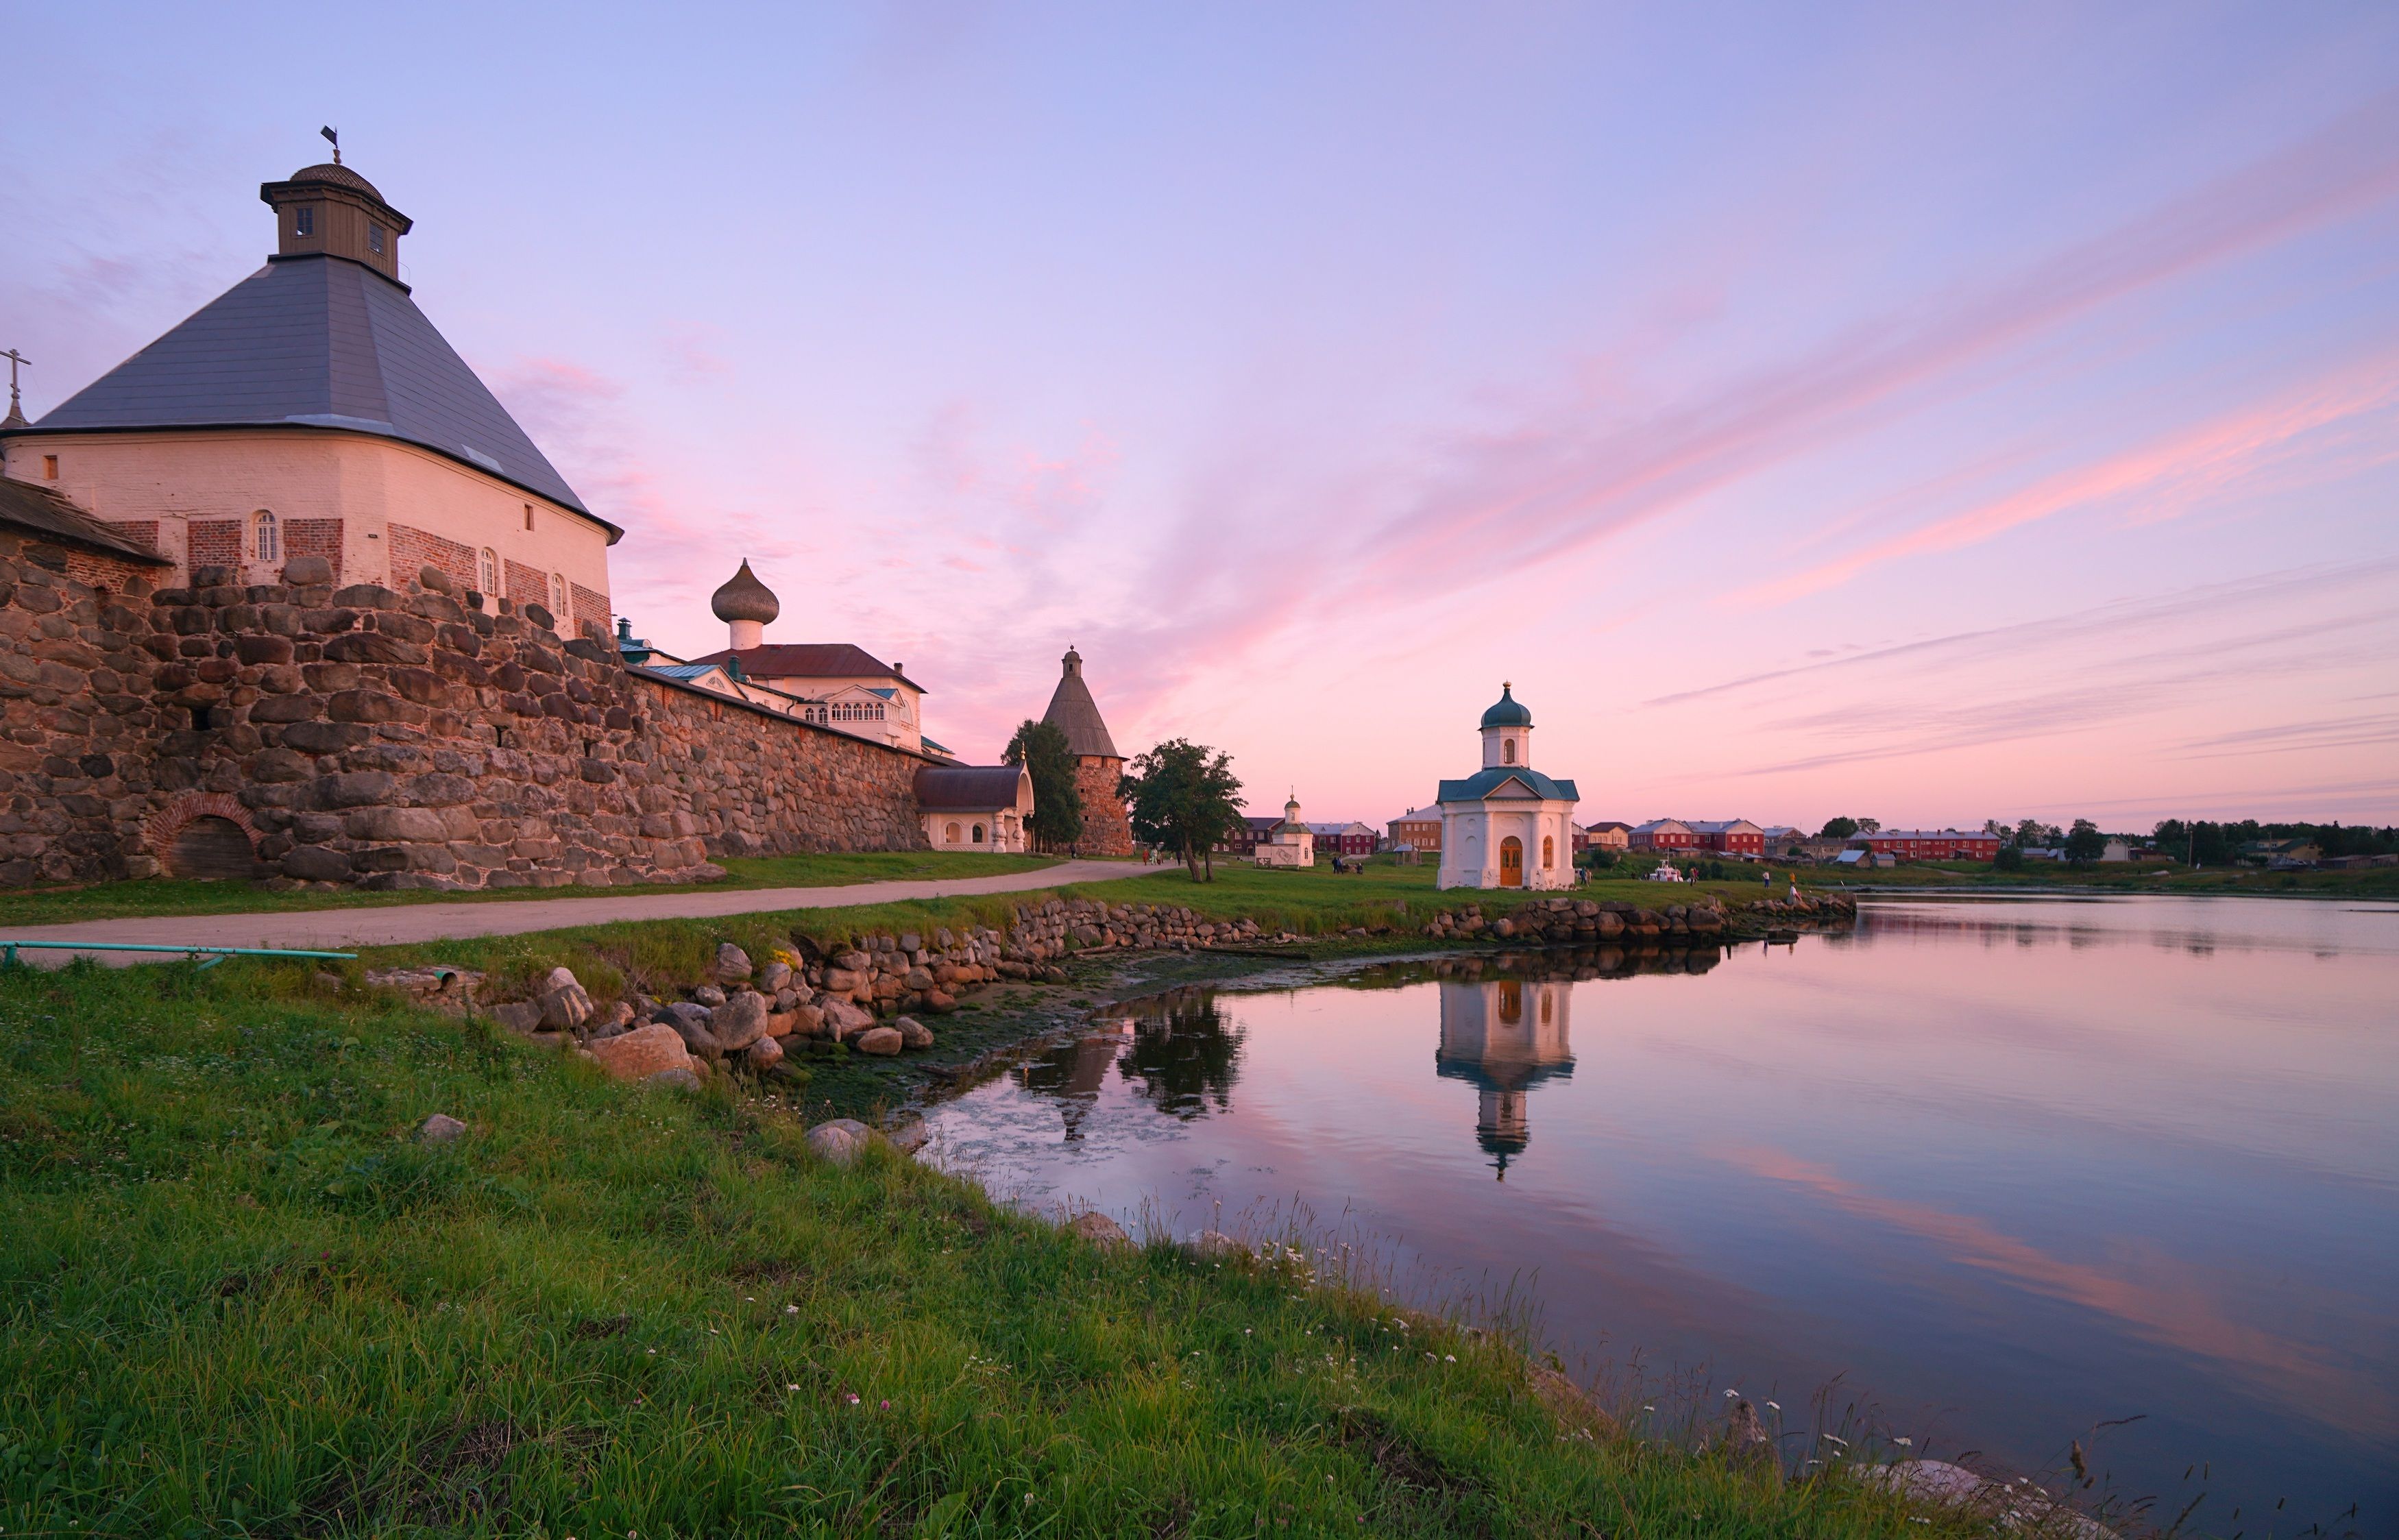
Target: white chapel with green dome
(1507, 825)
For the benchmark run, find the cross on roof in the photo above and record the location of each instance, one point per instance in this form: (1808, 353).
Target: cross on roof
(16, 411)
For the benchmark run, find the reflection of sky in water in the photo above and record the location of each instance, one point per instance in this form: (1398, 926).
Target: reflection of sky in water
(2015, 1167)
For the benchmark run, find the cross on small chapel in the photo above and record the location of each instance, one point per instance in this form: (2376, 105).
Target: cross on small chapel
(15, 359)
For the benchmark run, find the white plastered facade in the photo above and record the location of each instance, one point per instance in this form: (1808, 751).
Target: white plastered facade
(178, 477)
(1475, 831)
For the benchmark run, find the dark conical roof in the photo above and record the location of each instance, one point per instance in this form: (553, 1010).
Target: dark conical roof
(317, 342)
(1074, 713)
(744, 598)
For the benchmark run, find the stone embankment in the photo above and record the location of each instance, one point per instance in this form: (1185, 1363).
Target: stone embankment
(1585, 922)
(868, 992)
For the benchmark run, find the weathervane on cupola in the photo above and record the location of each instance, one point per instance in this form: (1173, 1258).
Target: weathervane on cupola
(333, 137)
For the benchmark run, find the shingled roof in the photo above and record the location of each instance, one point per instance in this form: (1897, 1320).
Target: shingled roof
(47, 514)
(968, 788)
(1484, 784)
(317, 342)
(1074, 713)
(811, 660)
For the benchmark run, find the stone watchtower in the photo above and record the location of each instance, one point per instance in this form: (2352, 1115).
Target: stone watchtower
(1106, 829)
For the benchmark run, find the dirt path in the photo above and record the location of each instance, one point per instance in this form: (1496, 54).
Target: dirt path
(346, 929)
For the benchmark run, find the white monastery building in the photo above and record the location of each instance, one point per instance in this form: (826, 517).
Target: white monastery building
(832, 684)
(313, 410)
(1507, 825)
(1289, 844)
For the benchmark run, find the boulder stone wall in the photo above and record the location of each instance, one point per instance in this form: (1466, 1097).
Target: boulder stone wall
(365, 736)
(76, 720)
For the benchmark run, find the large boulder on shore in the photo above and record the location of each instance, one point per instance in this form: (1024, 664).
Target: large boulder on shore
(642, 1052)
(841, 1140)
(844, 1020)
(884, 1042)
(738, 1023)
(1101, 1231)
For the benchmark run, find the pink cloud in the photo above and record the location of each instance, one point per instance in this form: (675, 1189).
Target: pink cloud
(2162, 1301)
(2157, 480)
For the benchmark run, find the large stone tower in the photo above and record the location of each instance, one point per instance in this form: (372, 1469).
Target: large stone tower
(1106, 831)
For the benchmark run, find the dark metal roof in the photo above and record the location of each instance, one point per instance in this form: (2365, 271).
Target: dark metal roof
(744, 598)
(317, 342)
(38, 508)
(1074, 713)
(1483, 783)
(968, 788)
(339, 175)
(811, 660)
(1506, 711)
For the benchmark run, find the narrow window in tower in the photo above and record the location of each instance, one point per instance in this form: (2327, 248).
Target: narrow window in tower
(528, 507)
(1507, 751)
(303, 219)
(487, 571)
(50, 467)
(374, 239)
(266, 540)
(558, 595)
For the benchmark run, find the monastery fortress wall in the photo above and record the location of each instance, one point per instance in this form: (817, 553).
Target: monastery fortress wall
(386, 739)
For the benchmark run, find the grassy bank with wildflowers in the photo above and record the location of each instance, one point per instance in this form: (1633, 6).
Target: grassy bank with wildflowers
(242, 1297)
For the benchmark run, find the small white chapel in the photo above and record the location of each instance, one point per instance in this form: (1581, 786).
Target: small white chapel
(1507, 825)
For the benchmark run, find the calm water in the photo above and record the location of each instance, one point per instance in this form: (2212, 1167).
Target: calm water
(2015, 1169)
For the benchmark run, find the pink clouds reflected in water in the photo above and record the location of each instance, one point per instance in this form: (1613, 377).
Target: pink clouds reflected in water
(2014, 1170)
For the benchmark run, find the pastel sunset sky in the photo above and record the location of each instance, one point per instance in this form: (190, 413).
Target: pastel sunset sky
(1935, 413)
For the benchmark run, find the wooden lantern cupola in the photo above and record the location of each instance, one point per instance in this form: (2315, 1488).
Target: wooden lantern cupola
(329, 210)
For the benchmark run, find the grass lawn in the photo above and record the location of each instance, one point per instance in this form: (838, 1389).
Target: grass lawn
(111, 900)
(239, 1300)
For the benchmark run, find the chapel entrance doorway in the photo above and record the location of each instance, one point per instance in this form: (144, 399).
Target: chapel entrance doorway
(1512, 862)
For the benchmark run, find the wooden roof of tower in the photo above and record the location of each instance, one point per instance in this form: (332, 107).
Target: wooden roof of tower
(1074, 713)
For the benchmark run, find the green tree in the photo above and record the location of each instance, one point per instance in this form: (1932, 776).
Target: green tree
(1869, 826)
(1837, 828)
(1182, 796)
(2085, 843)
(2010, 858)
(1057, 820)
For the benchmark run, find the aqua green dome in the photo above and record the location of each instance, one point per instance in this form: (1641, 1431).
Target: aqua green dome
(1506, 711)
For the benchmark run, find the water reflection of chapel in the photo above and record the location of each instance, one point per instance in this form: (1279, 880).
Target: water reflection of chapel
(1506, 1036)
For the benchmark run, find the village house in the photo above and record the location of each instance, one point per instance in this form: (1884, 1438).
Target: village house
(312, 409)
(1606, 834)
(1928, 845)
(1730, 836)
(1417, 829)
(1344, 839)
(1242, 840)
(1507, 825)
(1662, 836)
